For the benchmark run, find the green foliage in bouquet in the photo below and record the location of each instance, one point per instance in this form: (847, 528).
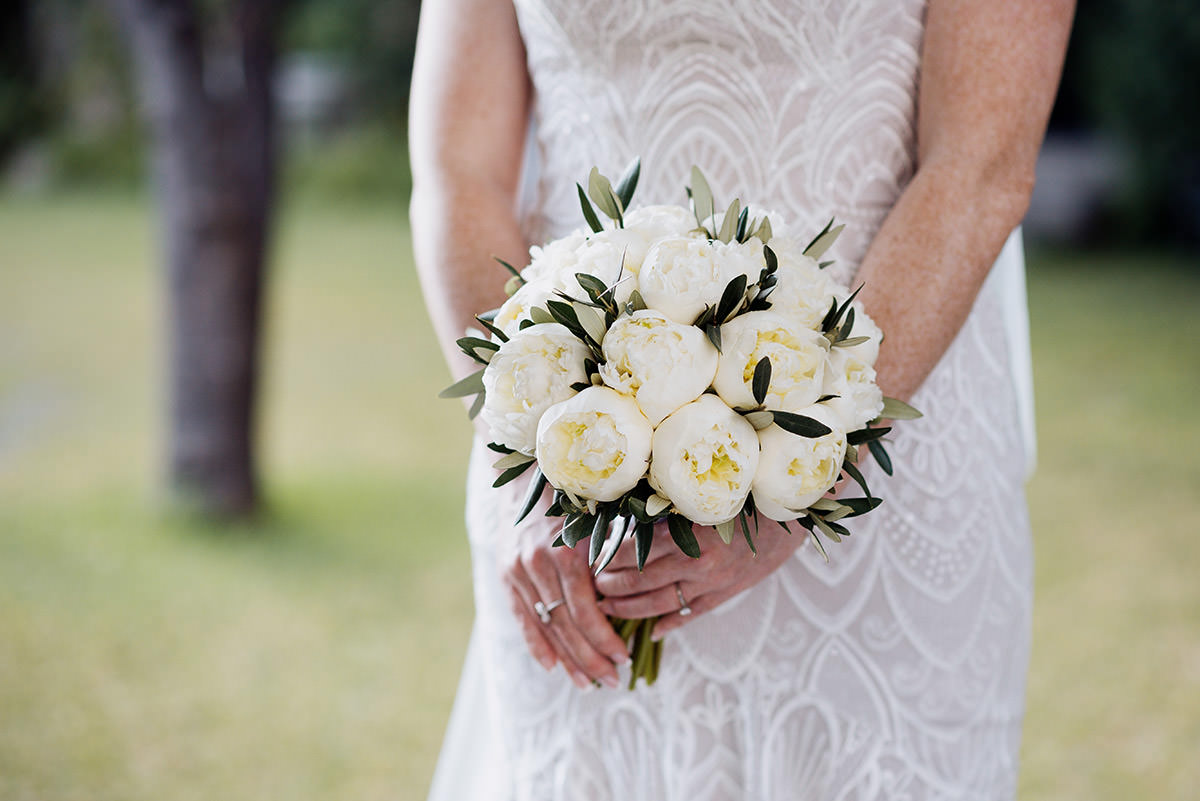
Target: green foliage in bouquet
(590, 313)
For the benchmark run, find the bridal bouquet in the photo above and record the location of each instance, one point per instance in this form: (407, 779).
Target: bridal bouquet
(679, 366)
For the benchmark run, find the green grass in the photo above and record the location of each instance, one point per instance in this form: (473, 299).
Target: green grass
(314, 656)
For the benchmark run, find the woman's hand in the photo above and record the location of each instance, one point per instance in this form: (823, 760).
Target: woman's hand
(578, 634)
(721, 572)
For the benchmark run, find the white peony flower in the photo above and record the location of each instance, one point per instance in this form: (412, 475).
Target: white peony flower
(795, 471)
(704, 459)
(531, 372)
(601, 256)
(804, 292)
(555, 258)
(595, 445)
(864, 326)
(682, 275)
(797, 357)
(661, 363)
(852, 379)
(516, 308)
(660, 222)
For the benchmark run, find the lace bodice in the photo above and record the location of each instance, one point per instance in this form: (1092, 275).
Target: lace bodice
(897, 670)
(805, 108)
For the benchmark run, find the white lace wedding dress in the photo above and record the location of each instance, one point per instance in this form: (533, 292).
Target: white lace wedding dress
(897, 670)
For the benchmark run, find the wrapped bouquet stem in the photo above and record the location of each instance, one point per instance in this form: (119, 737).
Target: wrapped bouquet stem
(668, 367)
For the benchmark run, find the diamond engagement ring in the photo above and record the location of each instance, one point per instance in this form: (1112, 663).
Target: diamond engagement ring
(684, 609)
(544, 610)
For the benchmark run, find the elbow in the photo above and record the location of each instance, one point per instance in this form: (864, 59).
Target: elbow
(995, 190)
(1010, 187)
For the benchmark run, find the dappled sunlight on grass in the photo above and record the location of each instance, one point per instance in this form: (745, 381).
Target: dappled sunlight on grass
(314, 653)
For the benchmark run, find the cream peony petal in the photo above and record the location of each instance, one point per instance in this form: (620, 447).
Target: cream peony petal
(531, 372)
(595, 445)
(795, 471)
(704, 459)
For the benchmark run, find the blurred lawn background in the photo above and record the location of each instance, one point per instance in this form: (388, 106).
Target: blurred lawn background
(315, 655)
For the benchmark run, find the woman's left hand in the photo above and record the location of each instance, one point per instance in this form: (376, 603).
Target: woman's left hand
(721, 572)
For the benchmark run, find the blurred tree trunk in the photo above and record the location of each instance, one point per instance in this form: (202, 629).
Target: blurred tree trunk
(205, 73)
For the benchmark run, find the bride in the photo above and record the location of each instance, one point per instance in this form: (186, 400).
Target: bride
(898, 669)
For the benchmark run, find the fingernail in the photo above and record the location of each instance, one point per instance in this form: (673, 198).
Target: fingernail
(546, 662)
(580, 680)
(620, 658)
(656, 636)
(610, 681)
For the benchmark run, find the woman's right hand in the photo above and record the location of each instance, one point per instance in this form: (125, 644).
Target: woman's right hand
(578, 635)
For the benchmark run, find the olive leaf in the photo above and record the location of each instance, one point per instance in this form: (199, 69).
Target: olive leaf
(590, 284)
(762, 380)
(726, 531)
(866, 435)
(714, 335)
(764, 232)
(656, 505)
(471, 346)
(760, 419)
(597, 541)
(772, 261)
(602, 194)
(537, 486)
(826, 529)
(731, 298)
(746, 531)
(590, 321)
(539, 315)
(576, 528)
(637, 508)
(894, 409)
(516, 273)
(511, 473)
(881, 455)
(476, 407)
(487, 323)
(512, 460)
(466, 386)
(613, 544)
(702, 197)
(743, 222)
(729, 222)
(824, 505)
(823, 241)
(589, 213)
(860, 506)
(854, 473)
(643, 538)
(629, 182)
(681, 532)
(800, 425)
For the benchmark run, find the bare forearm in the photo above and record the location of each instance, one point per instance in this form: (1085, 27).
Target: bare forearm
(458, 227)
(927, 264)
(467, 119)
(989, 72)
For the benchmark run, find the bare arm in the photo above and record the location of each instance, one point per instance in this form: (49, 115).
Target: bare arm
(989, 73)
(467, 118)
(469, 106)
